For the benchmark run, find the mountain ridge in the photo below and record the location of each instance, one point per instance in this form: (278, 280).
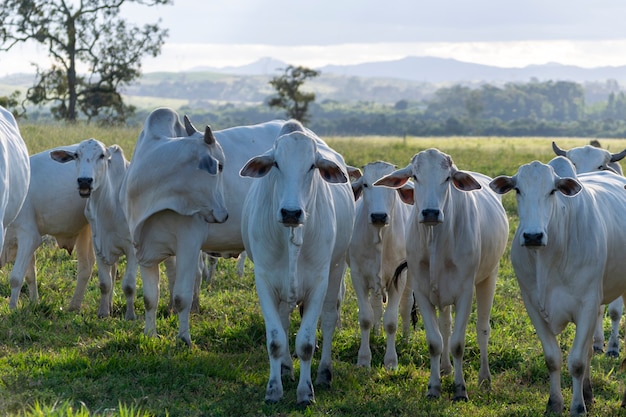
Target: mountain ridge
(438, 70)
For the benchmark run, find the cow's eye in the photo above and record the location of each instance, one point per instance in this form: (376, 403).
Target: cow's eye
(365, 185)
(553, 191)
(102, 156)
(276, 165)
(516, 191)
(220, 167)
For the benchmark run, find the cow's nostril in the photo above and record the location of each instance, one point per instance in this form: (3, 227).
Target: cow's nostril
(85, 182)
(291, 216)
(379, 218)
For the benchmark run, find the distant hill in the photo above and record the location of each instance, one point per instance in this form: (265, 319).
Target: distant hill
(438, 70)
(441, 70)
(263, 66)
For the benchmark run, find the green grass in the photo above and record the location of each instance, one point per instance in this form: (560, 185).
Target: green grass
(55, 362)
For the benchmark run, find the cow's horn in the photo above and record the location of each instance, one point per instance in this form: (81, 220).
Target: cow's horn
(209, 139)
(618, 156)
(189, 127)
(557, 150)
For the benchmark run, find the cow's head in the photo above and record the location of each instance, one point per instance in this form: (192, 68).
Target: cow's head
(538, 188)
(433, 172)
(210, 159)
(293, 162)
(92, 158)
(590, 158)
(379, 201)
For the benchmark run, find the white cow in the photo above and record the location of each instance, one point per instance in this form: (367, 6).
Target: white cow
(592, 158)
(456, 235)
(14, 172)
(296, 226)
(52, 207)
(377, 247)
(168, 200)
(568, 256)
(99, 172)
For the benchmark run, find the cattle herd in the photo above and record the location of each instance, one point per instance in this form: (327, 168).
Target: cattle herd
(426, 236)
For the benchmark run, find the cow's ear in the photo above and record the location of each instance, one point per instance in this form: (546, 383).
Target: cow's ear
(353, 173)
(330, 171)
(464, 181)
(357, 188)
(502, 184)
(258, 166)
(62, 156)
(396, 179)
(209, 164)
(568, 186)
(406, 194)
(112, 150)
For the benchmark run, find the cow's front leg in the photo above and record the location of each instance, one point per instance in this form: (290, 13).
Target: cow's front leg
(329, 320)
(578, 364)
(463, 309)
(552, 354)
(435, 343)
(276, 338)
(305, 346)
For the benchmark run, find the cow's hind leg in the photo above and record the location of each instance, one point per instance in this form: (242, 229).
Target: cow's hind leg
(24, 264)
(106, 288)
(85, 261)
(150, 280)
(598, 334)
(129, 284)
(616, 309)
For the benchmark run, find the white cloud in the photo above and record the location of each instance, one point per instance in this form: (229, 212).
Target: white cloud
(585, 33)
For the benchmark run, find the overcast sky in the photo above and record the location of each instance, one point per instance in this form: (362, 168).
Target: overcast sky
(503, 33)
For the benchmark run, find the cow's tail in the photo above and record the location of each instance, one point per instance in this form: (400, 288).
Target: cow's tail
(414, 310)
(398, 271)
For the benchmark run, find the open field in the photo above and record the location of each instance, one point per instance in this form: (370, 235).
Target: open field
(53, 362)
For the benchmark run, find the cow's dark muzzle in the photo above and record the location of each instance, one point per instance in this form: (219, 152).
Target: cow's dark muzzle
(84, 186)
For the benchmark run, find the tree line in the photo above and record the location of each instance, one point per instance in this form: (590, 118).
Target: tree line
(550, 108)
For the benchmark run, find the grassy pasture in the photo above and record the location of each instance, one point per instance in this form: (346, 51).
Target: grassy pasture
(53, 362)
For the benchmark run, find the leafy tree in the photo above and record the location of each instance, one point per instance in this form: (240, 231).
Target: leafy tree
(88, 32)
(11, 103)
(289, 96)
